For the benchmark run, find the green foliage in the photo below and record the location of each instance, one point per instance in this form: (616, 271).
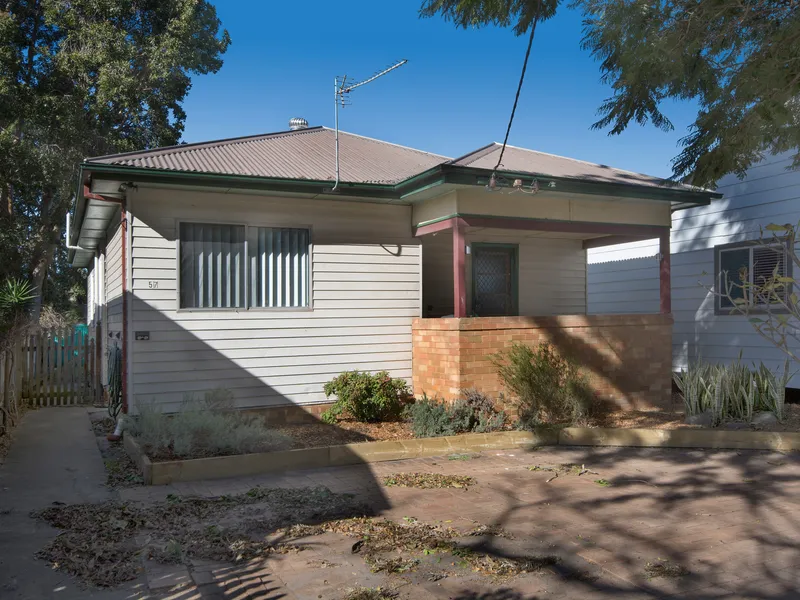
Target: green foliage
(546, 386)
(473, 412)
(85, 78)
(737, 61)
(731, 392)
(499, 13)
(365, 397)
(15, 296)
(207, 427)
(769, 301)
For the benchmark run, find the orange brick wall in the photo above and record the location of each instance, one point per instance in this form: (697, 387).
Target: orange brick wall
(627, 358)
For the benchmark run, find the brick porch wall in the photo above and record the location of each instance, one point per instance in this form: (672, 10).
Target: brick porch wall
(627, 358)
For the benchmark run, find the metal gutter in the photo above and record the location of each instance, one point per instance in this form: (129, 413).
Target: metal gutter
(445, 173)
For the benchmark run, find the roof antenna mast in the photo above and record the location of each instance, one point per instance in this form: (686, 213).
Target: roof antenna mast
(340, 97)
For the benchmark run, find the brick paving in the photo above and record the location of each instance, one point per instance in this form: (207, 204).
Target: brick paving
(731, 518)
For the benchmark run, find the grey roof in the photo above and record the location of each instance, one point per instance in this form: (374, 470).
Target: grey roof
(522, 160)
(302, 154)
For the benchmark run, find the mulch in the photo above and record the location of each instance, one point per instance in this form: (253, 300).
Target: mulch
(630, 419)
(312, 435)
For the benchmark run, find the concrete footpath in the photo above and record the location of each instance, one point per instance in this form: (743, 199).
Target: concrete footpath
(54, 458)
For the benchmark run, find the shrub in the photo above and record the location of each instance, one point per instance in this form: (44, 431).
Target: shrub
(474, 412)
(731, 391)
(207, 427)
(545, 385)
(365, 397)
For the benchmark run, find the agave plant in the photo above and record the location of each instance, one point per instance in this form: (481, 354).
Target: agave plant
(15, 296)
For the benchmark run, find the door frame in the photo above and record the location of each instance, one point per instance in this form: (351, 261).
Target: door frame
(514, 272)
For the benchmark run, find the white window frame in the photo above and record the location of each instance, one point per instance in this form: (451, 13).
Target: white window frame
(246, 308)
(719, 309)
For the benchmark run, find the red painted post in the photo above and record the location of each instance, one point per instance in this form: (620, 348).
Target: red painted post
(459, 272)
(664, 274)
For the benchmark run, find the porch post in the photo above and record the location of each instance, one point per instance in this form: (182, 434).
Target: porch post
(664, 274)
(459, 275)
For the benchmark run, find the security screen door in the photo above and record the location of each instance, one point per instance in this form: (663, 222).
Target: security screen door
(494, 280)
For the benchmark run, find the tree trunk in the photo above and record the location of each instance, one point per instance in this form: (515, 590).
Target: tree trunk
(48, 237)
(6, 199)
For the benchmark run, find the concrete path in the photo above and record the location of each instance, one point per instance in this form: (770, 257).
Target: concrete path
(54, 458)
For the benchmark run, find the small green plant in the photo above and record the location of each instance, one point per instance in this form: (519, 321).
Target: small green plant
(603, 482)
(662, 567)
(428, 480)
(546, 385)
(16, 296)
(732, 392)
(207, 427)
(473, 412)
(462, 456)
(365, 397)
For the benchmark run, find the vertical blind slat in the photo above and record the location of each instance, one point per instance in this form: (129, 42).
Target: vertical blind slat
(230, 266)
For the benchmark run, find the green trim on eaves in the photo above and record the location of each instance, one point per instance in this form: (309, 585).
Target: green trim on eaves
(490, 216)
(444, 173)
(165, 176)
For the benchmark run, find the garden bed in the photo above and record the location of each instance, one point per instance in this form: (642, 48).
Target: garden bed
(239, 465)
(676, 420)
(348, 431)
(160, 473)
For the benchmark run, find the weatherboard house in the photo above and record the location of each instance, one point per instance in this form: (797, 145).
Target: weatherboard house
(243, 264)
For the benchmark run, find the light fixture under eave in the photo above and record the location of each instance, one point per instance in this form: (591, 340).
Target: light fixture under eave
(532, 190)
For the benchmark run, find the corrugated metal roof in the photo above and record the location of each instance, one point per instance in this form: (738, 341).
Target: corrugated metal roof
(522, 160)
(309, 154)
(302, 154)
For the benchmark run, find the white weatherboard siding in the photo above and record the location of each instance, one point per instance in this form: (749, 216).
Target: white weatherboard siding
(623, 287)
(552, 272)
(113, 293)
(365, 290)
(769, 194)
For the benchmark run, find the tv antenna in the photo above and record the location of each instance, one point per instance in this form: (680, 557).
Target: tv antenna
(340, 97)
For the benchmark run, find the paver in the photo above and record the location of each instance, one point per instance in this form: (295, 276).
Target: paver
(731, 518)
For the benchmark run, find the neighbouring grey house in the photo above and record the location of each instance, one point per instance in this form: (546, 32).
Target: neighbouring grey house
(623, 279)
(241, 264)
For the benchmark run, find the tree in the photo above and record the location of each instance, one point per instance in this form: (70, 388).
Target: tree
(739, 60)
(769, 301)
(81, 78)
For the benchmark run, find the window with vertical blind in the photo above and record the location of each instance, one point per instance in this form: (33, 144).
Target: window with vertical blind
(740, 264)
(238, 266)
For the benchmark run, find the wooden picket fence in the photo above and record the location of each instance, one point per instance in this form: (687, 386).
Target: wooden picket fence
(10, 392)
(57, 367)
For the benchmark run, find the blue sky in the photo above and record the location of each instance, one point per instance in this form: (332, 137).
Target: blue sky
(454, 95)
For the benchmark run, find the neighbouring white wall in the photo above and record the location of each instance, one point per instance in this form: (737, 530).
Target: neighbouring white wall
(552, 272)
(769, 194)
(366, 287)
(91, 297)
(623, 287)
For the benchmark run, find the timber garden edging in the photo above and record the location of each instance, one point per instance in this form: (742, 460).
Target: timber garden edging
(162, 473)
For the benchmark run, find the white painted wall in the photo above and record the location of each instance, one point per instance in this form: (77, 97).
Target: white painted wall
(769, 194)
(366, 288)
(552, 272)
(112, 317)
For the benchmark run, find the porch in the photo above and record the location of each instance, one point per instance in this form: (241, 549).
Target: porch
(490, 281)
